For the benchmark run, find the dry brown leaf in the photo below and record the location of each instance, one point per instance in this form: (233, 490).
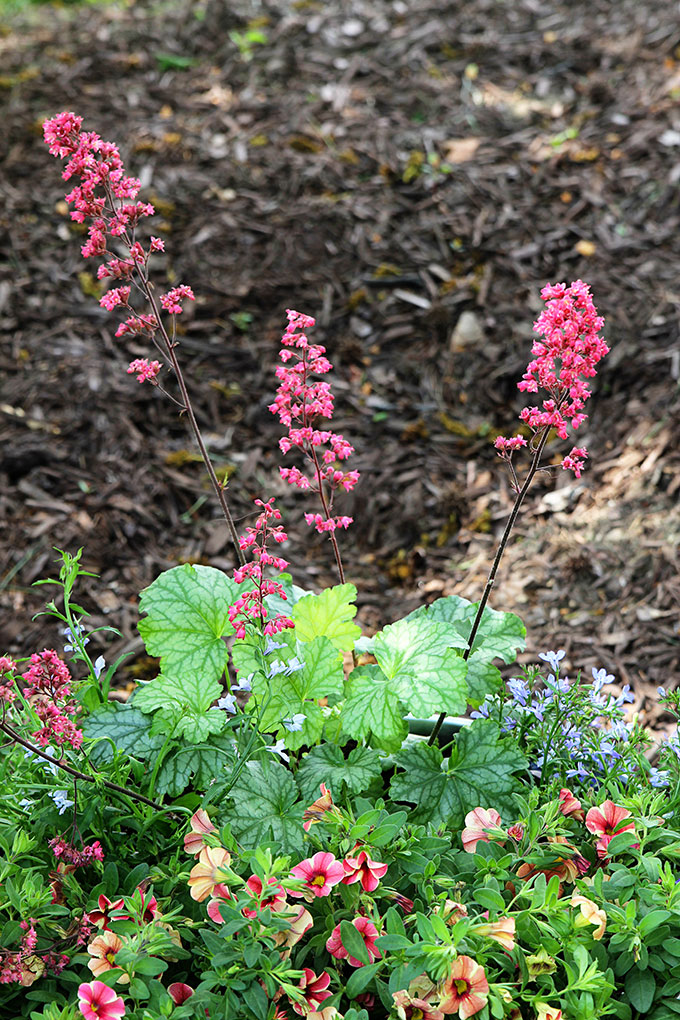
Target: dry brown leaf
(460, 150)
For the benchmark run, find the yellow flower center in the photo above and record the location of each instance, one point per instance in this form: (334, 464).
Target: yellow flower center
(462, 985)
(417, 1014)
(318, 880)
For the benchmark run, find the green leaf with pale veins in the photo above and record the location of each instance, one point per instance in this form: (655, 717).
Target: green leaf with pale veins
(128, 727)
(182, 706)
(424, 671)
(371, 705)
(205, 763)
(330, 615)
(327, 764)
(500, 635)
(296, 691)
(480, 773)
(266, 807)
(187, 617)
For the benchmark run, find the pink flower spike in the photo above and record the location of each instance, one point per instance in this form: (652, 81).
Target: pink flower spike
(97, 1001)
(362, 869)
(319, 873)
(146, 370)
(480, 825)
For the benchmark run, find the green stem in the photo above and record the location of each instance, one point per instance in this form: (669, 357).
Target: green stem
(496, 563)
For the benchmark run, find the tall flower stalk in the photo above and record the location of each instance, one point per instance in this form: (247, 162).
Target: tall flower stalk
(565, 355)
(105, 198)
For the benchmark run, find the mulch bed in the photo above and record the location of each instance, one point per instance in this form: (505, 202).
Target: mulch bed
(412, 174)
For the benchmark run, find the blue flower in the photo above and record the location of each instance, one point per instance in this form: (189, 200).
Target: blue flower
(658, 777)
(98, 665)
(519, 690)
(244, 684)
(272, 646)
(553, 658)
(71, 640)
(602, 677)
(228, 703)
(661, 691)
(295, 722)
(625, 696)
(483, 711)
(60, 798)
(278, 748)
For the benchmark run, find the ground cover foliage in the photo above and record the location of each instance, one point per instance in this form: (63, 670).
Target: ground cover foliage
(526, 879)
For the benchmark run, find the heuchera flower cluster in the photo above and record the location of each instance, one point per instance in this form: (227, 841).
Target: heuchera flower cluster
(65, 851)
(48, 688)
(105, 196)
(567, 353)
(250, 606)
(299, 403)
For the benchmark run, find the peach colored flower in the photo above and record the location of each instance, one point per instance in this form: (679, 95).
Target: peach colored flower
(315, 811)
(502, 931)
(300, 923)
(200, 826)
(409, 1008)
(103, 951)
(466, 989)
(567, 867)
(544, 1011)
(480, 824)
(590, 914)
(606, 821)
(570, 806)
(205, 877)
(451, 911)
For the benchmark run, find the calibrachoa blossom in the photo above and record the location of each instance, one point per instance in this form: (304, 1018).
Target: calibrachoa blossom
(607, 821)
(480, 825)
(466, 989)
(566, 354)
(179, 992)
(300, 922)
(590, 914)
(361, 868)
(314, 989)
(570, 806)
(409, 1008)
(105, 908)
(96, 1001)
(315, 812)
(250, 606)
(319, 873)
(369, 934)
(501, 931)
(200, 826)
(206, 877)
(103, 951)
(299, 403)
(544, 1011)
(274, 899)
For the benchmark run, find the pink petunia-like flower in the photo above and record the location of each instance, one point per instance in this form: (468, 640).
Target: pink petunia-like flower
(200, 826)
(607, 821)
(570, 806)
(274, 899)
(410, 1008)
(362, 869)
(480, 825)
(319, 873)
(369, 934)
(102, 915)
(96, 1001)
(314, 989)
(466, 989)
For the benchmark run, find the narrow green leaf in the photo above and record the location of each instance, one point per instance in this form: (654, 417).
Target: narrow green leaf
(359, 981)
(640, 989)
(353, 942)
